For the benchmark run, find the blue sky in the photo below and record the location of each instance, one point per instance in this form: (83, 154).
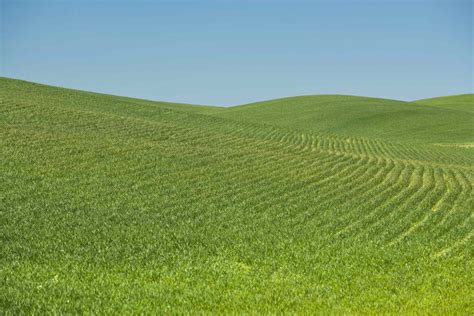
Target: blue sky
(233, 52)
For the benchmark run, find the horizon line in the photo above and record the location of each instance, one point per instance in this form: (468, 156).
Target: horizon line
(229, 106)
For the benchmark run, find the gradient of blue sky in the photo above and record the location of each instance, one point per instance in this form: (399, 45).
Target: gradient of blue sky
(233, 52)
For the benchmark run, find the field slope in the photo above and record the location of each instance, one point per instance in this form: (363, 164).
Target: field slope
(462, 102)
(383, 119)
(317, 204)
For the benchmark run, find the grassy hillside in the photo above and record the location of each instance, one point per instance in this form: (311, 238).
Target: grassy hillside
(116, 205)
(463, 102)
(363, 117)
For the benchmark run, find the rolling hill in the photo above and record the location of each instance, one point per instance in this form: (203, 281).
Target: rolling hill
(317, 204)
(383, 119)
(461, 102)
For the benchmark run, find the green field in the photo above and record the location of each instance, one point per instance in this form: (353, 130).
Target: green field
(314, 204)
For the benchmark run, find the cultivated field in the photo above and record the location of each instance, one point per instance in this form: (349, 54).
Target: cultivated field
(328, 203)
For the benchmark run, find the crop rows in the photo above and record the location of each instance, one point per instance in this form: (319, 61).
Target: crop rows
(140, 185)
(393, 190)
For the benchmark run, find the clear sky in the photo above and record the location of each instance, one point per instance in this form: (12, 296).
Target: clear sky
(234, 52)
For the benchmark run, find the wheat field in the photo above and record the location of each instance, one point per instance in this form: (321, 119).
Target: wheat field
(312, 204)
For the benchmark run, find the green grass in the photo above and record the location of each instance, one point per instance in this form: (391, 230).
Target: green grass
(391, 120)
(461, 102)
(317, 204)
